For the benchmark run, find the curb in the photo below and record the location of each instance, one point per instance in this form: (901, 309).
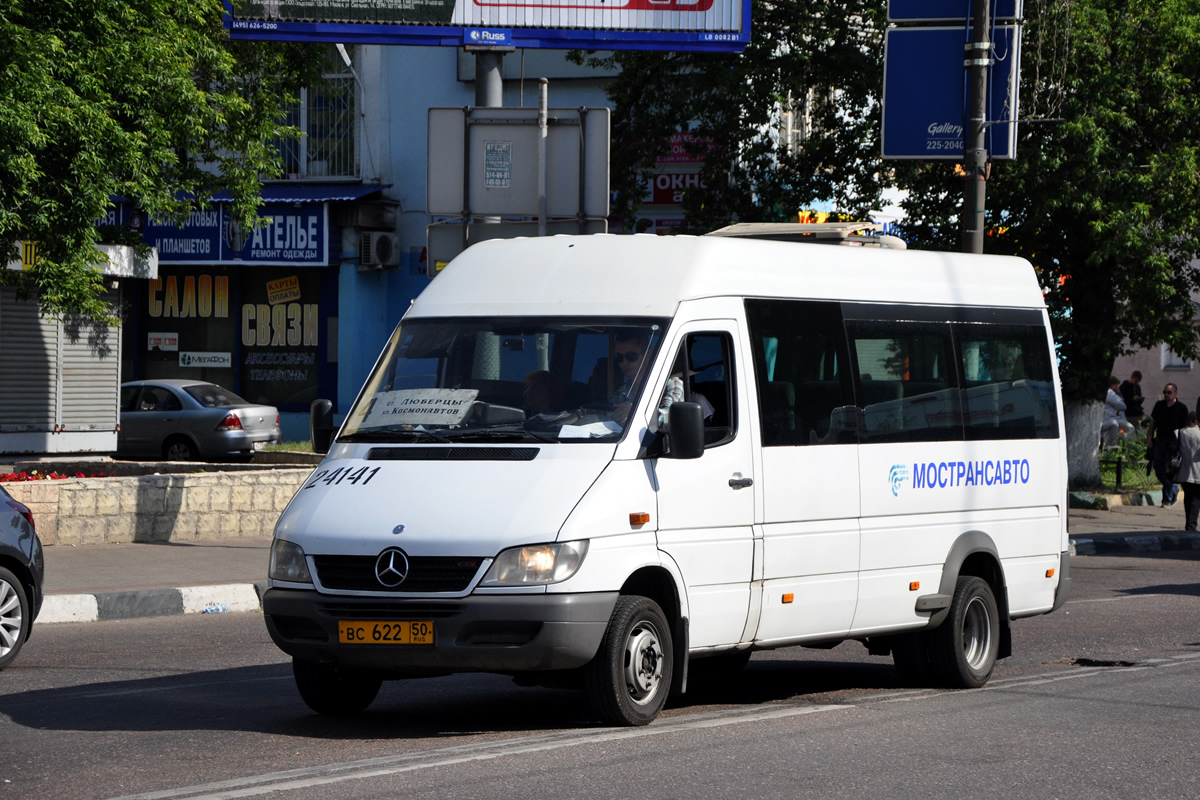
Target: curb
(1098, 501)
(1085, 545)
(136, 603)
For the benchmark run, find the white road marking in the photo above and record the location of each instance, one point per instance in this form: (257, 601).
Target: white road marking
(308, 777)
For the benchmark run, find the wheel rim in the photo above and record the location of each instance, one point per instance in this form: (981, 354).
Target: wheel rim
(178, 451)
(10, 618)
(643, 663)
(977, 634)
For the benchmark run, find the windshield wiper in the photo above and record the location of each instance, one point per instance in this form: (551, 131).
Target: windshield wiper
(498, 435)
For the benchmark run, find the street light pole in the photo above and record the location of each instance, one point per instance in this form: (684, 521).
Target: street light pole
(977, 60)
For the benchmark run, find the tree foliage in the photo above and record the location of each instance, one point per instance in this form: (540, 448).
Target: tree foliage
(1102, 197)
(147, 100)
(822, 58)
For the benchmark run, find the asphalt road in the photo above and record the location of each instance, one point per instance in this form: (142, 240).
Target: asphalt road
(1099, 700)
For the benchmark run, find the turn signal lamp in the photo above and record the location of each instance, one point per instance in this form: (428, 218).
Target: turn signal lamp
(789, 597)
(1050, 573)
(638, 518)
(912, 587)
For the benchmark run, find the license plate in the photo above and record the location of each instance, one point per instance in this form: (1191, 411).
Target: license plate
(354, 632)
(259, 445)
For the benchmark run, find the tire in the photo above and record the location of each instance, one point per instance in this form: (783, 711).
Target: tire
(332, 691)
(629, 679)
(963, 648)
(14, 617)
(179, 449)
(910, 653)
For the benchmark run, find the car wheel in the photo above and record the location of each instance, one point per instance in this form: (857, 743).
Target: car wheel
(179, 449)
(963, 648)
(14, 617)
(629, 679)
(333, 691)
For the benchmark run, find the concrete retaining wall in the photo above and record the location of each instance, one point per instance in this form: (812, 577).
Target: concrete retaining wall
(158, 508)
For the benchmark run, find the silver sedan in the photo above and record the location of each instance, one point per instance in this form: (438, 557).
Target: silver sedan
(182, 420)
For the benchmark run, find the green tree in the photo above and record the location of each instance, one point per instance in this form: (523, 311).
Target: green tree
(822, 60)
(148, 100)
(1104, 195)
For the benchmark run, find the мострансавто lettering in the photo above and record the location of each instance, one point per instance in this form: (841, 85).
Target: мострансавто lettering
(942, 474)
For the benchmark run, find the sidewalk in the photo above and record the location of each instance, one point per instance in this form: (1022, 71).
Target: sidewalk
(121, 581)
(87, 583)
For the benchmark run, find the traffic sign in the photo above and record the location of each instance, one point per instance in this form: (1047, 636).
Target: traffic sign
(925, 94)
(947, 10)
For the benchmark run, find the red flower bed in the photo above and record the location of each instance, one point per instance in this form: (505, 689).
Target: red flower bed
(11, 477)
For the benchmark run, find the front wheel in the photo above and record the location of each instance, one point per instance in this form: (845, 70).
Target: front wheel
(333, 691)
(14, 617)
(629, 679)
(963, 648)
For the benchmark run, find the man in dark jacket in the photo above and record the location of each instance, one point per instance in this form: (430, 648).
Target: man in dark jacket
(1131, 392)
(1168, 416)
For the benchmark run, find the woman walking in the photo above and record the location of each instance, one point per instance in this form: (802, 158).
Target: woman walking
(1189, 470)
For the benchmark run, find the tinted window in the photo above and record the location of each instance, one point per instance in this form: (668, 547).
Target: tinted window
(210, 395)
(158, 398)
(801, 369)
(905, 381)
(1008, 382)
(128, 396)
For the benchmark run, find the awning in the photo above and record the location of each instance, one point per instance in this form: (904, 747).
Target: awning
(295, 192)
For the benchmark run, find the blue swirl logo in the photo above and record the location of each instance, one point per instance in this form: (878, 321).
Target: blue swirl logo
(896, 477)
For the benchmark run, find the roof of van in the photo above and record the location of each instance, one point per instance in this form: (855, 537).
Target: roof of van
(647, 275)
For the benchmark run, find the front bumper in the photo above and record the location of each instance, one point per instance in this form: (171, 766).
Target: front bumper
(480, 633)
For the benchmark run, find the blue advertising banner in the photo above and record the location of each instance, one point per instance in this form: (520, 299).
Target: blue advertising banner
(947, 10)
(298, 236)
(925, 94)
(696, 25)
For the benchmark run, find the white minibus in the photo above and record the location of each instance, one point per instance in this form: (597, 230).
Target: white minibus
(600, 460)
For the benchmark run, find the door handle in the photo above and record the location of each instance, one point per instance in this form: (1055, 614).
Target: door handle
(741, 483)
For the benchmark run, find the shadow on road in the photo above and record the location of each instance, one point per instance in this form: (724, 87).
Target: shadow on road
(263, 699)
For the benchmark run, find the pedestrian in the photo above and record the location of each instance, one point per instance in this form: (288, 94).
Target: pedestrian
(1114, 414)
(1162, 441)
(1131, 393)
(1189, 471)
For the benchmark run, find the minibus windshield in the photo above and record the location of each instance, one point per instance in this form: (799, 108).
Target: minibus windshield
(506, 379)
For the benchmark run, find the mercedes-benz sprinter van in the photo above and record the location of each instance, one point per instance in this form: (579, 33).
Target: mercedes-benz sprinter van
(602, 459)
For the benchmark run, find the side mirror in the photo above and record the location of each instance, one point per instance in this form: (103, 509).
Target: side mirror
(686, 433)
(320, 425)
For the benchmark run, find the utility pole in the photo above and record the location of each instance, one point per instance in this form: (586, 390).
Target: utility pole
(977, 60)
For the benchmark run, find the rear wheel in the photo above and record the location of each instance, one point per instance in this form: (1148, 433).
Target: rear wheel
(14, 617)
(629, 679)
(963, 648)
(330, 690)
(179, 449)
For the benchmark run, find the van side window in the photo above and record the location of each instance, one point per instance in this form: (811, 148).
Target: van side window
(905, 381)
(1008, 389)
(801, 372)
(707, 361)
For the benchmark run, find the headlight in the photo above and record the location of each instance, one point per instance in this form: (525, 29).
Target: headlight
(287, 563)
(536, 564)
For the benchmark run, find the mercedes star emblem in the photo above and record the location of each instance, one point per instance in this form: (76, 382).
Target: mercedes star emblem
(391, 568)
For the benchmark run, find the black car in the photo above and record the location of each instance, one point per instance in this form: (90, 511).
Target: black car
(22, 570)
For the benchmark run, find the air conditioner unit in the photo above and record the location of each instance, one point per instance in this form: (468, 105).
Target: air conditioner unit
(379, 250)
